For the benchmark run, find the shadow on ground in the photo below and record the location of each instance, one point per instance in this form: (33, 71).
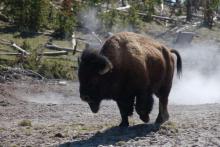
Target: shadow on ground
(8, 29)
(11, 29)
(113, 135)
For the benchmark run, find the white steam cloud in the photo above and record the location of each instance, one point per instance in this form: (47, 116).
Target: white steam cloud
(90, 20)
(200, 82)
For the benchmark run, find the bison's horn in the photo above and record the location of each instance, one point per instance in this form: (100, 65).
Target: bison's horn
(108, 67)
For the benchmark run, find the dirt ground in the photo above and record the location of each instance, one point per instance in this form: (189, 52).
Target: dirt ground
(51, 113)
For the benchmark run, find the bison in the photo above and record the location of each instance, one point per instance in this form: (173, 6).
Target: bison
(129, 69)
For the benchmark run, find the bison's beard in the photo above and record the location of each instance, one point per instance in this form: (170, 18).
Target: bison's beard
(94, 106)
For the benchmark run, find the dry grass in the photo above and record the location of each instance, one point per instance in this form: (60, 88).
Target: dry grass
(169, 128)
(25, 122)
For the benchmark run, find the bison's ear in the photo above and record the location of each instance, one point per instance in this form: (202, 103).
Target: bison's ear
(108, 66)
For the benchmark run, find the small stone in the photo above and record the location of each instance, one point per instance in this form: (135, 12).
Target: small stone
(59, 135)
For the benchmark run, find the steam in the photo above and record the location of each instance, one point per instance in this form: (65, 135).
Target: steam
(200, 83)
(90, 20)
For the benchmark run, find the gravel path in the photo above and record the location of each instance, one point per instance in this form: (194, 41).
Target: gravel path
(49, 114)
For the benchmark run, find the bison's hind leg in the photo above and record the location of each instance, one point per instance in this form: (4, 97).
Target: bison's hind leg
(163, 102)
(144, 105)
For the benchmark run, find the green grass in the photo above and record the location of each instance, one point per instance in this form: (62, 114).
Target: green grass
(2, 129)
(14, 36)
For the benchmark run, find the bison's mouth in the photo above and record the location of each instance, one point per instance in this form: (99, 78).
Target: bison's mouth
(94, 106)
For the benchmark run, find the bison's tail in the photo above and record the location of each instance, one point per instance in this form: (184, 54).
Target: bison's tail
(179, 61)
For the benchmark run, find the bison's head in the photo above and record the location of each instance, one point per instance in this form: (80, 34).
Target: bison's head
(92, 70)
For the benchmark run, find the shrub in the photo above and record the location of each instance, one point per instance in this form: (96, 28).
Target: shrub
(25, 123)
(57, 69)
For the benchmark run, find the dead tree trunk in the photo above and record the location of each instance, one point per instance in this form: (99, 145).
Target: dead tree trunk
(179, 6)
(188, 10)
(161, 7)
(124, 3)
(208, 13)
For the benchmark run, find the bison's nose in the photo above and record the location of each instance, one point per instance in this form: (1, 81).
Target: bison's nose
(85, 97)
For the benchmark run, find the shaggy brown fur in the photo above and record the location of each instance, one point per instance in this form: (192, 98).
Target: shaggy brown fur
(129, 68)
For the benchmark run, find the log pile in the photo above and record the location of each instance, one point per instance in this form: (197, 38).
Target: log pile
(10, 74)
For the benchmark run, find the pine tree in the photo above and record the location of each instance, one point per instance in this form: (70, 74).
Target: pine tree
(209, 7)
(65, 20)
(189, 10)
(40, 13)
(28, 15)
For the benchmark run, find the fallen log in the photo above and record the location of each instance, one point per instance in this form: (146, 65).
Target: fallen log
(19, 49)
(123, 8)
(5, 42)
(15, 46)
(55, 47)
(10, 54)
(162, 17)
(46, 33)
(57, 53)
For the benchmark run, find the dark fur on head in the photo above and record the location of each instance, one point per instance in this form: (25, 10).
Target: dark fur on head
(91, 60)
(91, 69)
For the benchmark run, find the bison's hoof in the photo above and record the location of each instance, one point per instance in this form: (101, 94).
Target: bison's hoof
(145, 118)
(162, 118)
(124, 124)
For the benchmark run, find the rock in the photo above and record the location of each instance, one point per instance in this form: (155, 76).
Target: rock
(59, 135)
(4, 103)
(63, 83)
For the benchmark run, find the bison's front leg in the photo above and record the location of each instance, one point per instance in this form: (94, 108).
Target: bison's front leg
(144, 105)
(126, 109)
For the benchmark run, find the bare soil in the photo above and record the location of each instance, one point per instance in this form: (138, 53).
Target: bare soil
(34, 113)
